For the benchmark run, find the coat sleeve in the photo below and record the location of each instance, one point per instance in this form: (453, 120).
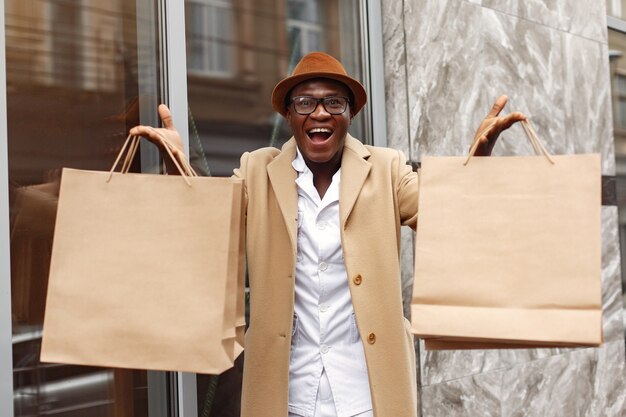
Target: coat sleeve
(407, 191)
(240, 173)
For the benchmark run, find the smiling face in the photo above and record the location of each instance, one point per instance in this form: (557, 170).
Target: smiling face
(320, 135)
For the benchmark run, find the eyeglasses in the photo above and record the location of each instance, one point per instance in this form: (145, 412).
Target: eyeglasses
(306, 105)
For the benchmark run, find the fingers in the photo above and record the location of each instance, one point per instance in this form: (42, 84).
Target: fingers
(508, 120)
(146, 132)
(166, 116)
(498, 106)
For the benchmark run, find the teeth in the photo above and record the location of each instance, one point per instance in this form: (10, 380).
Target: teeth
(320, 130)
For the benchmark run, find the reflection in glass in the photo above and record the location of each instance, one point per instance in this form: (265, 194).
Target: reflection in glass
(231, 114)
(211, 30)
(305, 10)
(304, 27)
(72, 92)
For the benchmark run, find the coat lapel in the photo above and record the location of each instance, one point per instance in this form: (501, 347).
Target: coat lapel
(354, 170)
(283, 179)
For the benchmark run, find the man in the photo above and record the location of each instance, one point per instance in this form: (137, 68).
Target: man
(327, 336)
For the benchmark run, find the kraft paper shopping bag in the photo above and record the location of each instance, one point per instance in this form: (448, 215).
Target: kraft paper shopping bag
(508, 251)
(146, 271)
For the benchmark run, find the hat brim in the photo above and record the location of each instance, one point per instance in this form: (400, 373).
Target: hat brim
(283, 87)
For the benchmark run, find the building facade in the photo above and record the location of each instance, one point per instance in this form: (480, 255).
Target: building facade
(79, 73)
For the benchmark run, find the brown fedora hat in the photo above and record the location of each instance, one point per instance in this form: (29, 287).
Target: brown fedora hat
(318, 65)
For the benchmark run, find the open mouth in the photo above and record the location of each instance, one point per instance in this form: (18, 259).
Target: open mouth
(319, 134)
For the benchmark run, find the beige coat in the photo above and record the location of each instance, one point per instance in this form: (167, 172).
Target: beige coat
(378, 193)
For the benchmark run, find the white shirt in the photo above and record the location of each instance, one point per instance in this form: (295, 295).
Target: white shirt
(324, 334)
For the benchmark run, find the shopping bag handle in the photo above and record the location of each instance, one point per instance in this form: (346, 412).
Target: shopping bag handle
(130, 155)
(530, 134)
(132, 143)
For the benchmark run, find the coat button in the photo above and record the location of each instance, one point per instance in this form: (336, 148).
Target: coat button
(371, 338)
(357, 279)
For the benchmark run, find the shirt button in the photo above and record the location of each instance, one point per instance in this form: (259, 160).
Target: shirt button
(323, 266)
(321, 225)
(357, 279)
(371, 338)
(324, 308)
(324, 349)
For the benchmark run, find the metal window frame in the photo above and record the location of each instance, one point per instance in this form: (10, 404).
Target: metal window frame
(173, 52)
(174, 80)
(175, 94)
(6, 346)
(616, 24)
(374, 70)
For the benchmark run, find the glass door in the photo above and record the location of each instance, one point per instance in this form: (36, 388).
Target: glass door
(236, 52)
(79, 74)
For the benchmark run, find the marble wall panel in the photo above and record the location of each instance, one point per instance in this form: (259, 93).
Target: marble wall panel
(398, 125)
(587, 99)
(612, 306)
(395, 76)
(406, 257)
(478, 395)
(583, 383)
(397, 117)
(580, 383)
(453, 80)
(586, 18)
(448, 365)
(551, 58)
(460, 56)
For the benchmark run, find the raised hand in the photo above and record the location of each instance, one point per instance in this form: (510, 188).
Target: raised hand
(168, 133)
(494, 124)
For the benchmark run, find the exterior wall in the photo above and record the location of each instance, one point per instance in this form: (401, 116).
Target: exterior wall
(445, 63)
(617, 42)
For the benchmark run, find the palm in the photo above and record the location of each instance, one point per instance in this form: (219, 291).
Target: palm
(156, 134)
(494, 124)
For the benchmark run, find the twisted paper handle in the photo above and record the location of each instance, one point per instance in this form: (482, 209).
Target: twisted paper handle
(530, 134)
(132, 143)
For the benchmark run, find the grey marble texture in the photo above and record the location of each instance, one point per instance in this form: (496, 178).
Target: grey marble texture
(478, 395)
(446, 61)
(395, 77)
(585, 383)
(397, 118)
(453, 80)
(407, 256)
(587, 18)
(581, 383)
(612, 306)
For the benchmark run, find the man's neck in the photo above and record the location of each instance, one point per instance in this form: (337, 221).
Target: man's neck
(323, 172)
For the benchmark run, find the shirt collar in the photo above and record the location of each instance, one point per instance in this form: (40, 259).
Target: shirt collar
(298, 163)
(305, 182)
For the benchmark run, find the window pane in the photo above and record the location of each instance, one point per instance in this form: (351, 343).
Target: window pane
(74, 72)
(314, 40)
(621, 85)
(621, 107)
(305, 10)
(231, 115)
(234, 115)
(210, 33)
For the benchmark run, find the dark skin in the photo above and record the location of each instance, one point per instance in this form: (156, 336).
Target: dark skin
(322, 152)
(493, 125)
